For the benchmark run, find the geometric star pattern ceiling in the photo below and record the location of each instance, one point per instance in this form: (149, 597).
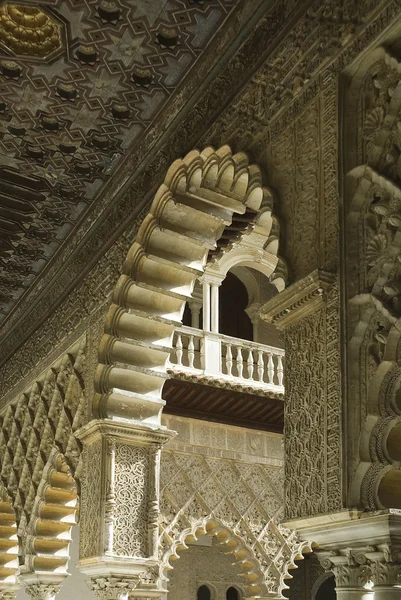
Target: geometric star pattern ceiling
(80, 82)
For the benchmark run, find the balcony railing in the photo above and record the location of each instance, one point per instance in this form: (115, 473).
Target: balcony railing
(217, 356)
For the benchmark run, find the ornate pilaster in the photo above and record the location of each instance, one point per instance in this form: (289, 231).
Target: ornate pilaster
(308, 314)
(120, 505)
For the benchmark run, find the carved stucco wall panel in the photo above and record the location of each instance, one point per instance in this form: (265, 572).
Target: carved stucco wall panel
(295, 175)
(206, 486)
(373, 244)
(92, 505)
(131, 501)
(43, 417)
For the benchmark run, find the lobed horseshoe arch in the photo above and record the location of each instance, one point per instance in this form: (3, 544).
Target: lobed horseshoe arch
(9, 544)
(201, 195)
(258, 580)
(47, 535)
(243, 555)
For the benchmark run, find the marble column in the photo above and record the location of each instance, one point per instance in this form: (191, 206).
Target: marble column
(195, 308)
(206, 305)
(214, 307)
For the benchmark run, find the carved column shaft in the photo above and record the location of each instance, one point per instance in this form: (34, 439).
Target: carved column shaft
(120, 504)
(307, 312)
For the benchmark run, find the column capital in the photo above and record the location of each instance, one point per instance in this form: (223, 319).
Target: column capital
(113, 588)
(350, 566)
(9, 593)
(43, 591)
(385, 573)
(212, 278)
(298, 300)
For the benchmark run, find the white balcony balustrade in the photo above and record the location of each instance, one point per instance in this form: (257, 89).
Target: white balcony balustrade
(224, 358)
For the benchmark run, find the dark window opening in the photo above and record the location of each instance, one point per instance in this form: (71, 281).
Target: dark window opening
(232, 594)
(204, 593)
(327, 591)
(233, 300)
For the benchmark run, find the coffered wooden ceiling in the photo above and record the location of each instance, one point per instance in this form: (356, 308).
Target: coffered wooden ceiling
(81, 82)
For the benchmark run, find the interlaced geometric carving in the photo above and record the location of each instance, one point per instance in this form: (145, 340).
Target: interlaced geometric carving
(239, 503)
(35, 428)
(91, 504)
(131, 498)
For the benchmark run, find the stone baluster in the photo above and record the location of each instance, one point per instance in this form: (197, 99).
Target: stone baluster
(229, 359)
(261, 366)
(250, 366)
(240, 361)
(280, 370)
(191, 351)
(270, 368)
(178, 349)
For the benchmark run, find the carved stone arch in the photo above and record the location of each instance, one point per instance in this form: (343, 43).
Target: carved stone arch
(244, 556)
(9, 545)
(374, 330)
(257, 581)
(46, 536)
(250, 282)
(198, 199)
(319, 581)
(372, 239)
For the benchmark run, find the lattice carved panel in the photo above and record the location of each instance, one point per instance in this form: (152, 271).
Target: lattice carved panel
(247, 499)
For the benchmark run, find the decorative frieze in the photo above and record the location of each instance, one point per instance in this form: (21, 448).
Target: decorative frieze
(298, 301)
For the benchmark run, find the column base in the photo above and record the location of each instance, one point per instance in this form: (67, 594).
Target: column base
(353, 594)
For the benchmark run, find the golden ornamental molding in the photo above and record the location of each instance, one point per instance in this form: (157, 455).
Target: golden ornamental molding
(299, 300)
